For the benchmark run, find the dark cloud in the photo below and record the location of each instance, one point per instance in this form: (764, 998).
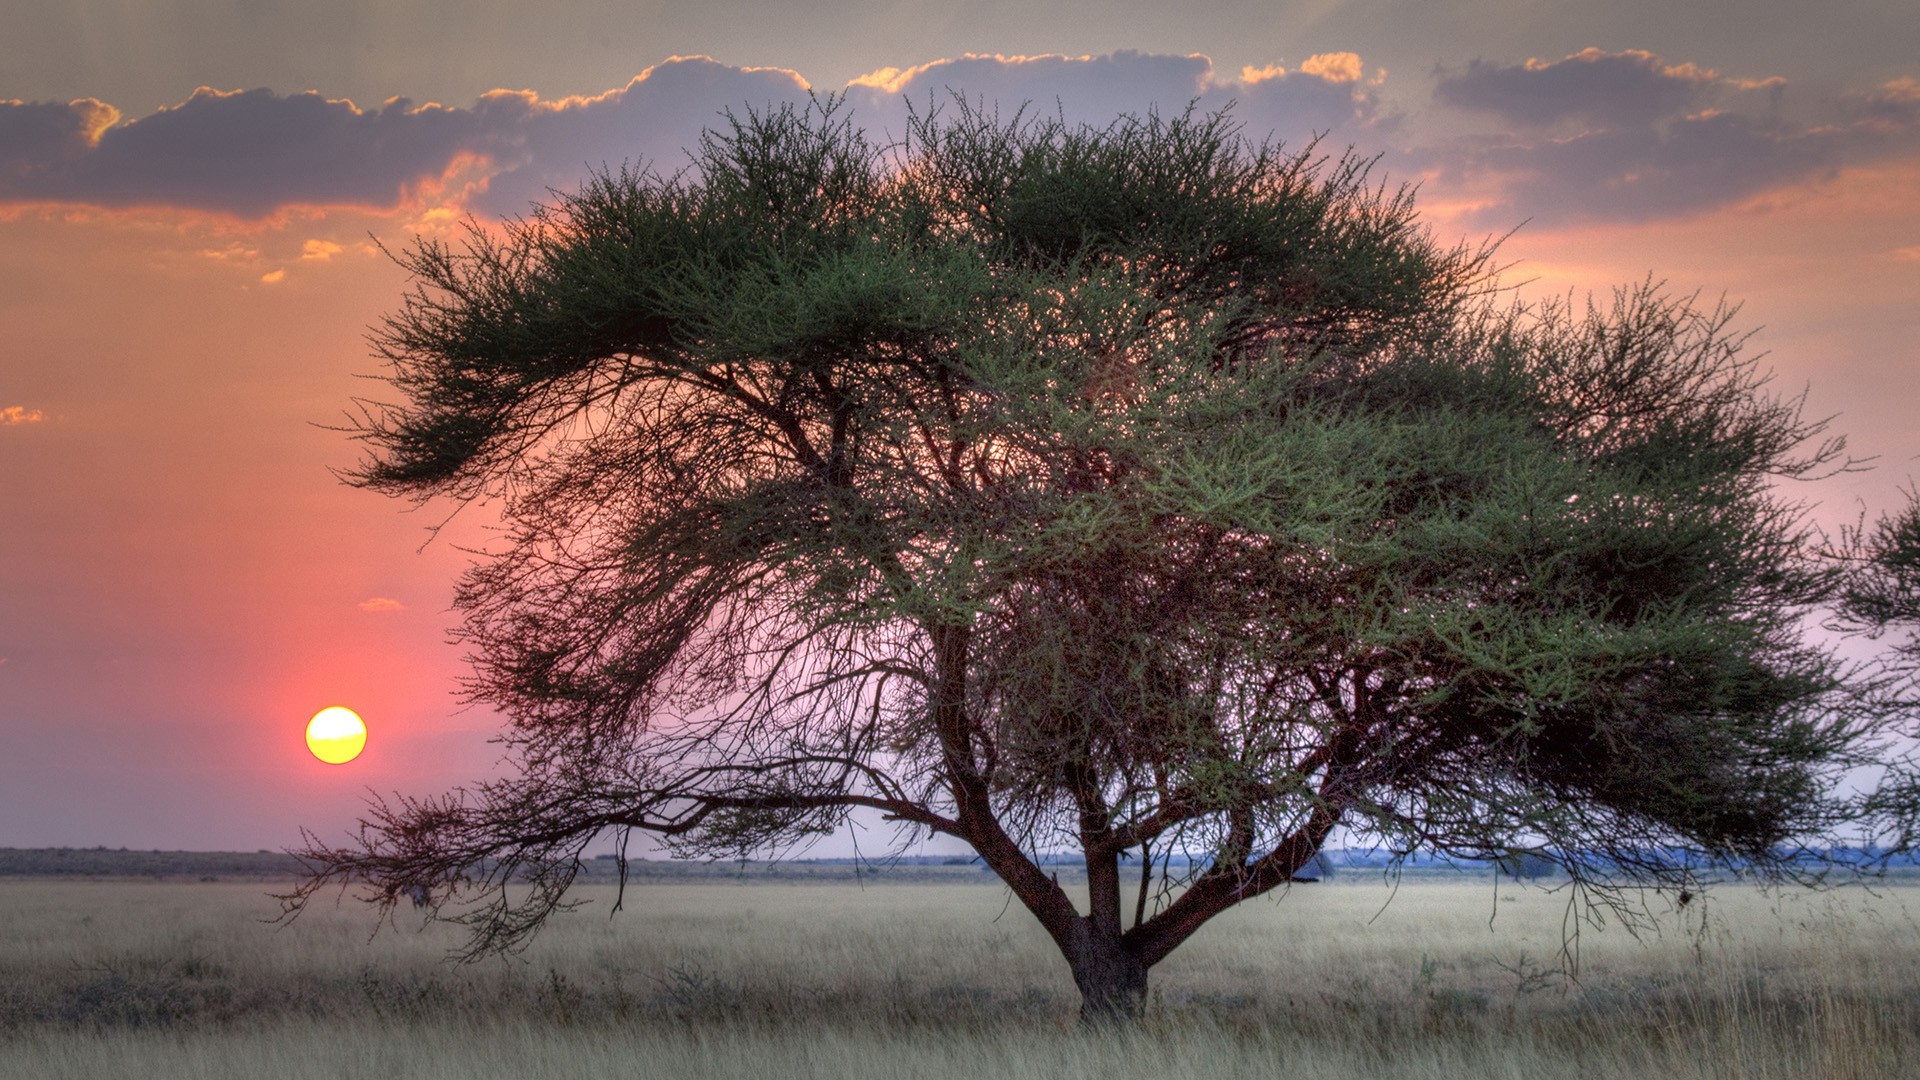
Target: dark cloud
(251, 153)
(1641, 173)
(1627, 137)
(1590, 87)
(241, 153)
(40, 139)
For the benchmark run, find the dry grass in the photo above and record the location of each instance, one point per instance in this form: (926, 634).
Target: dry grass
(696, 981)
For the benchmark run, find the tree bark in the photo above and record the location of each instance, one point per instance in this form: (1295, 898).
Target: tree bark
(1112, 980)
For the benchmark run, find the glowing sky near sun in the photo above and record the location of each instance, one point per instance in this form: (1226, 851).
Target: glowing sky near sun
(193, 194)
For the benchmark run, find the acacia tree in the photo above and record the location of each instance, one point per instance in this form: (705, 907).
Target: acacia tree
(1138, 490)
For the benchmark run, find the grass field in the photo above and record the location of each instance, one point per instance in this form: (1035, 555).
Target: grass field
(143, 979)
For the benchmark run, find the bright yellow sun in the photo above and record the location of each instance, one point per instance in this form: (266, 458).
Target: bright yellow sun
(336, 735)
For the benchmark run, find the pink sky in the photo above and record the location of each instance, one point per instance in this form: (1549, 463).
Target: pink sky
(186, 277)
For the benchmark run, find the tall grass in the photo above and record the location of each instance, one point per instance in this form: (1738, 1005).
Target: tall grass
(942, 982)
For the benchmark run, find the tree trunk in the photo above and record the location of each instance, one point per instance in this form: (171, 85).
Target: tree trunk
(1112, 980)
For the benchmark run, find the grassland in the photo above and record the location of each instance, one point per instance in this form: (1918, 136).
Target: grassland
(938, 981)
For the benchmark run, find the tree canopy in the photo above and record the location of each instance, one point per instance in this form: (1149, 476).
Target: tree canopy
(1139, 490)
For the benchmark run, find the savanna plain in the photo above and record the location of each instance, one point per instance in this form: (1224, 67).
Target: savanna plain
(1352, 978)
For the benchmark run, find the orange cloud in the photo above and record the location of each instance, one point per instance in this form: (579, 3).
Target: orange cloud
(890, 79)
(1903, 89)
(893, 80)
(213, 223)
(381, 603)
(95, 117)
(273, 277)
(529, 101)
(319, 250)
(15, 415)
(232, 253)
(1591, 55)
(1339, 67)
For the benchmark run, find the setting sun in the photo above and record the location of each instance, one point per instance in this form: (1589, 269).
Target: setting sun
(336, 735)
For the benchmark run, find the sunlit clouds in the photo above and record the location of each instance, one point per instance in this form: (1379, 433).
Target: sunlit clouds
(253, 153)
(231, 253)
(381, 605)
(1340, 67)
(1334, 68)
(1592, 135)
(16, 415)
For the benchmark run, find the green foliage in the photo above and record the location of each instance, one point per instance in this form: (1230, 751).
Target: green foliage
(1884, 592)
(1115, 487)
(1881, 597)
